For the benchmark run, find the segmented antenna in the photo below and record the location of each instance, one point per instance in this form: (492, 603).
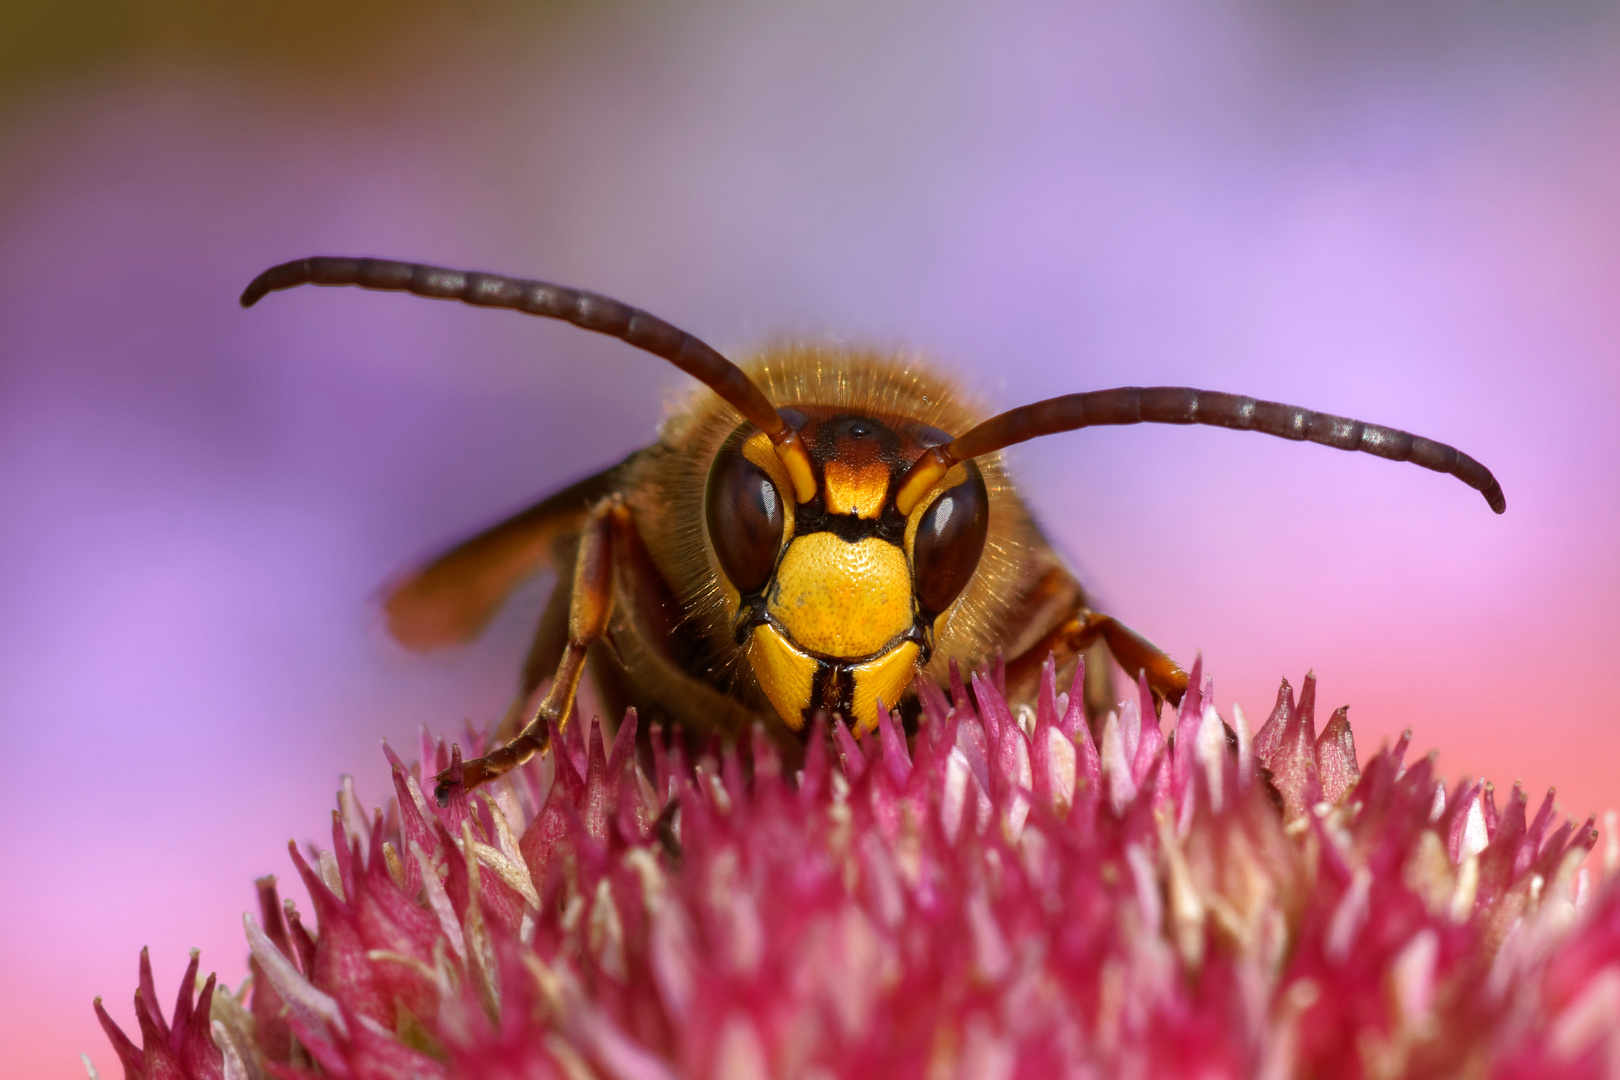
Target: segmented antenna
(587, 310)
(1183, 405)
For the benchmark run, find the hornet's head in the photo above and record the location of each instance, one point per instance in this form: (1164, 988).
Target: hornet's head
(834, 598)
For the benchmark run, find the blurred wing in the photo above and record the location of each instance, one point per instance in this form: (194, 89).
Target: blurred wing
(452, 598)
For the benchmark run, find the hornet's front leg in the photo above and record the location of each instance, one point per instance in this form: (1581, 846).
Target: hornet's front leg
(590, 606)
(1084, 632)
(1135, 653)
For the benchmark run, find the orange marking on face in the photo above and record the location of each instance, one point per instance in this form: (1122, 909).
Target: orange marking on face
(857, 489)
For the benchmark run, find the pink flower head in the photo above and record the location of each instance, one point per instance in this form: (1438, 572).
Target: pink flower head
(1002, 895)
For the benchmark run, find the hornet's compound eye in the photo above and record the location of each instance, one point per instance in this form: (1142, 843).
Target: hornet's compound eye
(745, 516)
(949, 540)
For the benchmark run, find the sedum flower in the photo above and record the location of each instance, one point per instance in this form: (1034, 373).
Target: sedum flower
(1002, 896)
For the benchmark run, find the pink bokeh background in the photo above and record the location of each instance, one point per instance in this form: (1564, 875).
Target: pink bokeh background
(1408, 214)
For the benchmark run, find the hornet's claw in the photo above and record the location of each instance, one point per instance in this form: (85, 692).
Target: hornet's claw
(451, 778)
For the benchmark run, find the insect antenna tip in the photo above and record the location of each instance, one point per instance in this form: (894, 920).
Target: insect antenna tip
(257, 289)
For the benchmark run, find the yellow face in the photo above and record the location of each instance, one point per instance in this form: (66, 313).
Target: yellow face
(834, 600)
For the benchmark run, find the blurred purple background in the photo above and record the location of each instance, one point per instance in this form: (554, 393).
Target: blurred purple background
(1408, 213)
